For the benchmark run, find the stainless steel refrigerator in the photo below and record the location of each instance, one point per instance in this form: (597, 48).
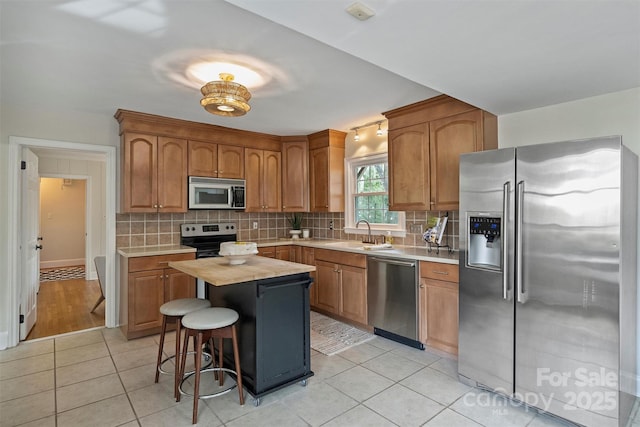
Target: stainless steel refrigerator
(548, 277)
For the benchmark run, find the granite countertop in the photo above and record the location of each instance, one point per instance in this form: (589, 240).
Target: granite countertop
(154, 250)
(218, 271)
(419, 253)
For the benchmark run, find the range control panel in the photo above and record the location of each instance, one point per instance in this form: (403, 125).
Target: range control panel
(487, 226)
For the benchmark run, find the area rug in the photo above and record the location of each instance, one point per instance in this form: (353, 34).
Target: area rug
(329, 336)
(62, 273)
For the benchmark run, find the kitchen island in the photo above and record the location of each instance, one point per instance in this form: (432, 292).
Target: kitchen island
(272, 298)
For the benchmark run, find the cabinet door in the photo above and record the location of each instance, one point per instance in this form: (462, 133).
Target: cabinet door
(283, 253)
(139, 173)
(253, 175)
(271, 182)
(450, 137)
(230, 161)
(172, 175)
(146, 295)
(409, 168)
(203, 159)
(267, 251)
(353, 293)
(295, 177)
(178, 285)
(319, 179)
(327, 287)
(442, 314)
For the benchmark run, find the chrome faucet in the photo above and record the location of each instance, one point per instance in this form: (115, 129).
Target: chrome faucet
(368, 238)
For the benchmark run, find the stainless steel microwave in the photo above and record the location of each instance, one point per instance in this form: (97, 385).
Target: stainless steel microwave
(216, 193)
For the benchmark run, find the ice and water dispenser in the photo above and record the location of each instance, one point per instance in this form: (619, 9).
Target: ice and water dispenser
(485, 244)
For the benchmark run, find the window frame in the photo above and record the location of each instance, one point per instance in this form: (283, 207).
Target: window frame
(398, 230)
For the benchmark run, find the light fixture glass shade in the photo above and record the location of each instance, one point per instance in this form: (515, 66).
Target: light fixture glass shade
(356, 137)
(379, 131)
(225, 97)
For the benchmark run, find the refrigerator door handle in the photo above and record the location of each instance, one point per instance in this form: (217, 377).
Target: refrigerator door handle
(506, 194)
(521, 292)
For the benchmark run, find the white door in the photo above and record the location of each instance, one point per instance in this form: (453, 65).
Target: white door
(30, 244)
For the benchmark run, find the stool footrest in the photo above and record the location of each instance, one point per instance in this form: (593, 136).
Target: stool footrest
(206, 356)
(209, 396)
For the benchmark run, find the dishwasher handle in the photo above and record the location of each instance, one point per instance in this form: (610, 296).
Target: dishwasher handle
(394, 262)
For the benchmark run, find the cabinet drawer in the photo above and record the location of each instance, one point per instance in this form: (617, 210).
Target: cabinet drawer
(157, 261)
(340, 257)
(439, 271)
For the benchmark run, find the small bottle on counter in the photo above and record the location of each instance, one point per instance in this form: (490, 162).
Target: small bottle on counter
(389, 238)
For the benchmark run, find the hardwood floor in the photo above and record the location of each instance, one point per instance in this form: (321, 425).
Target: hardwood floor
(64, 305)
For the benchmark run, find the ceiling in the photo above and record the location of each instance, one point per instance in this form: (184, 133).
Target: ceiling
(329, 70)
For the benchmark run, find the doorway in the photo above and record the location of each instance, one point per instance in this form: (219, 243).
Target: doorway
(107, 197)
(66, 293)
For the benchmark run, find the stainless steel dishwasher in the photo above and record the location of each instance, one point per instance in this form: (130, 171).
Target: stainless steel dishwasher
(392, 299)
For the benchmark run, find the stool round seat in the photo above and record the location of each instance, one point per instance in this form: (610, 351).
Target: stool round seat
(183, 306)
(210, 318)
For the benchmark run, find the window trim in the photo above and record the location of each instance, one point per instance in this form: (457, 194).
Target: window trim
(349, 208)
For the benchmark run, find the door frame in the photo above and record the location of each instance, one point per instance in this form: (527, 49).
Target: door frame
(88, 223)
(16, 144)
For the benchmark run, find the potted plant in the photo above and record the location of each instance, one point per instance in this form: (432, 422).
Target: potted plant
(295, 220)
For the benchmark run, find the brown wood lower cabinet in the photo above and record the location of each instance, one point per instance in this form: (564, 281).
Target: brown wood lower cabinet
(438, 306)
(283, 252)
(341, 284)
(146, 283)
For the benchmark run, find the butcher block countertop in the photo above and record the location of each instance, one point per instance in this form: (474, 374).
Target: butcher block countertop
(218, 271)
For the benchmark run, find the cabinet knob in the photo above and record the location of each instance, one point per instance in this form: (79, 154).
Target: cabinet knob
(326, 206)
(155, 206)
(160, 206)
(421, 286)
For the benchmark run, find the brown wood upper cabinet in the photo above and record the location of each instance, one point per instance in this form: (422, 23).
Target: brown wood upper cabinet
(425, 143)
(154, 174)
(215, 160)
(326, 171)
(295, 176)
(262, 170)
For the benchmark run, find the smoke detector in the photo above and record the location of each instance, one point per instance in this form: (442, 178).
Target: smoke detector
(360, 11)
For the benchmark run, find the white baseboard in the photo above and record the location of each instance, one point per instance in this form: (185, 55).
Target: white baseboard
(62, 263)
(4, 340)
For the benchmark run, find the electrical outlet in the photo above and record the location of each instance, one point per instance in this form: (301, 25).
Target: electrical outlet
(331, 225)
(416, 228)
(255, 225)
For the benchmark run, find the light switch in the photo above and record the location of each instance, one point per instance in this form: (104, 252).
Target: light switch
(50, 215)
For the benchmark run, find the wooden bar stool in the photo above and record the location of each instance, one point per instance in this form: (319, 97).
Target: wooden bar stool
(172, 312)
(206, 325)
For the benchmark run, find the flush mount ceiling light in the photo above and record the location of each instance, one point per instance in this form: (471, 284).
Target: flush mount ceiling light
(225, 97)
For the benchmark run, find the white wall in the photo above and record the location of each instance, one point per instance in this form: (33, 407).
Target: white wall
(612, 114)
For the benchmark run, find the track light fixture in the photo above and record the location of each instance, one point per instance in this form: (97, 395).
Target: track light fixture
(379, 132)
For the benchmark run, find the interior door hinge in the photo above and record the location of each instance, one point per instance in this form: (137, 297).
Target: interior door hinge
(22, 318)
(23, 165)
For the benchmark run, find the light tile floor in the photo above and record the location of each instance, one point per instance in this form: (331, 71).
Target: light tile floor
(98, 378)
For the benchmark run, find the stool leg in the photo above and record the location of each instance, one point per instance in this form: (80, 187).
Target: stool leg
(196, 387)
(236, 357)
(212, 348)
(221, 361)
(161, 346)
(183, 357)
(177, 358)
